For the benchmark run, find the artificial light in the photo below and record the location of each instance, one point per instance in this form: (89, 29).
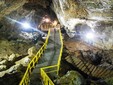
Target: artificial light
(26, 25)
(90, 36)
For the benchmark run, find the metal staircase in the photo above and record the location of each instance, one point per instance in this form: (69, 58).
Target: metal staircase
(49, 62)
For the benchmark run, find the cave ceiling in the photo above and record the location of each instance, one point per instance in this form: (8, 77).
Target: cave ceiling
(76, 16)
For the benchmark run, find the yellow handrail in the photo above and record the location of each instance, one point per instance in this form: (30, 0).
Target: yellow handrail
(26, 78)
(61, 50)
(45, 77)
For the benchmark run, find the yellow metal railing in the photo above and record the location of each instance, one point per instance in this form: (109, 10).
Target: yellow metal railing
(44, 74)
(61, 50)
(52, 69)
(26, 78)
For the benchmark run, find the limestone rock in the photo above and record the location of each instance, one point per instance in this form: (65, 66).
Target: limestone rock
(32, 51)
(3, 62)
(24, 61)
(92, 13)
(71, 78)
(43, 3)
(2, 67)
(11, 70)
(11, 57)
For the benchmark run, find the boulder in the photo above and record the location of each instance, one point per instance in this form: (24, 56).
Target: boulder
(97, 15)
(13, 69)
(71, 78)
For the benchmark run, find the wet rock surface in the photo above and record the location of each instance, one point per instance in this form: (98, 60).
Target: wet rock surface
(71, 78)
(76, 16)
(96, 14)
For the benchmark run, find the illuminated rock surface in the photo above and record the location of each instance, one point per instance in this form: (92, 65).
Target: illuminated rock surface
(75, 16)
(93, 13)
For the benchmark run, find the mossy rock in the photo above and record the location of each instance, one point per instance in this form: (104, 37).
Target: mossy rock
(109, 81)
(71, 78)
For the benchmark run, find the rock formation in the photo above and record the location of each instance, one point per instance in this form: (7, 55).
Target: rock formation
(71, 78)
(94, 14)
(77, 17)
(16, 49)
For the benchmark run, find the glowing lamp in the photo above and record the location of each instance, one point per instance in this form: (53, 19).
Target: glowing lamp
(90, 36)
(26, 25)
(47, 20)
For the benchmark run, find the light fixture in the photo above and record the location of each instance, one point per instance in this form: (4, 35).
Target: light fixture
(90, 36)
(47, 20)
(26, 25)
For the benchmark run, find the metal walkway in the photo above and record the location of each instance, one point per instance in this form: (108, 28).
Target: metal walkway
(49, 62)
(49, 58)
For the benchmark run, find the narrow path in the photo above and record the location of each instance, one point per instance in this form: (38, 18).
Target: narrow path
(49, 58)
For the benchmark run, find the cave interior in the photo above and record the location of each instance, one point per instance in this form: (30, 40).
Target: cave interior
(80, 40)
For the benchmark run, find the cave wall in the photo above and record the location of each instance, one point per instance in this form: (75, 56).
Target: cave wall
(96, 14)
(9, 27)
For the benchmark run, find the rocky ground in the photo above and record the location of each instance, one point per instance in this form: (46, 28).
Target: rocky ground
(14, 58)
